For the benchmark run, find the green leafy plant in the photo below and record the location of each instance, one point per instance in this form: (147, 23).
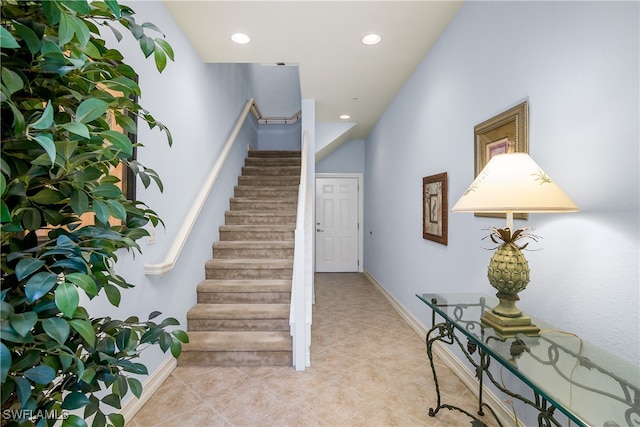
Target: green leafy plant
(61, 88)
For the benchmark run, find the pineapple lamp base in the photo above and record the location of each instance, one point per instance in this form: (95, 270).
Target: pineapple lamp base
(509, 327)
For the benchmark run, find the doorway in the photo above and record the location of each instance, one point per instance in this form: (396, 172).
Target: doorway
(338, 235)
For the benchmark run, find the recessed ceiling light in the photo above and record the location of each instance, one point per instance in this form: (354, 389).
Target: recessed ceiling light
(240, 38)
(345, 117)
(371, 39)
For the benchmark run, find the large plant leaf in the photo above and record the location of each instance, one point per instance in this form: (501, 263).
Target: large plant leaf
(47, 196)
(38, 285)
(75, 400)
(11, 80)
(74, 421)
(23, 389)
(114, 7)
(101, 210)
(91, 109)
(79, 27)
(77, 128)
(122, 339)
(147, 45)
(176, 348)
(161, 59)
(57, 328)
(23, 322)
(31, 218)
(67, 299)
(29, 37)
(41, 374)
(166, 47)
(5, 214)
(83, 281)
(116, 419)
(46, 141)
(79, 201)
(85, 329)
(135, 386)
(5, 362)
(117, 209)
(110, 191)
(65, 30)
(112, 400)
(27, 266)
(45, 121)
(7, 41)
(181, 336)
(119, 141)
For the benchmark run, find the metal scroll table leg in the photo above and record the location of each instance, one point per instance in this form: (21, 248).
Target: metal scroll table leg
(443, 332)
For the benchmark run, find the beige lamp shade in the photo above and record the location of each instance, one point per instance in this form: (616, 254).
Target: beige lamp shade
(513, 182)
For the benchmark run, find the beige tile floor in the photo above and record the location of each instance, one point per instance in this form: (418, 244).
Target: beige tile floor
(368, 368)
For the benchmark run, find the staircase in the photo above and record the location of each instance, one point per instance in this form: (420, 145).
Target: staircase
(242, 311)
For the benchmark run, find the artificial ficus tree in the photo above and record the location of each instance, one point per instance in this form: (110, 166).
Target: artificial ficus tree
(62, 88)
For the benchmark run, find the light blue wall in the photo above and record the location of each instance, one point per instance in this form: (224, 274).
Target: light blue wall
(347, 158)
(577, 63)
(277, 89)
(200, 103)
(279, 137)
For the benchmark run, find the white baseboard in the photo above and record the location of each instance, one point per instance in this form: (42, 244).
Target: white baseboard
(150, 386)
(448, 358)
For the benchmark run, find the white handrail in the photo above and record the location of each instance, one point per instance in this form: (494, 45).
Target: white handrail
(181, 238)
(297, 315)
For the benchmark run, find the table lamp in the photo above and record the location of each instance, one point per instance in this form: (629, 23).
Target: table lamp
(511, 183)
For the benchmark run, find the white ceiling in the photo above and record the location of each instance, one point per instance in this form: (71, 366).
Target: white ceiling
(343, 75)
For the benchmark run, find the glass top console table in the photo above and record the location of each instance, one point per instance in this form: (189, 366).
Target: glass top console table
(566, 374)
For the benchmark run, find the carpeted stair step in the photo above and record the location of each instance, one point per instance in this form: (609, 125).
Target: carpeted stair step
(271, 171)
(282, 191)
(268, 181)
(256, 232)
(267, 291)
(275, 153)
(272, 161)
(260, 218)
(262, 204)
(238, 317)
(249, 269)
(237, 348)
(253, 249)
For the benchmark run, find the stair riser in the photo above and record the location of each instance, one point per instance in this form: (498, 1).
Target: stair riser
(256, 235)
(268, 181)
(235, 358)
(262, 206)
(272, 161)
(248, 273)
(250, 218)
(289, 191)
(244, 297)
(225, 253)
(271, 171)
(238, 324)
(275, 153)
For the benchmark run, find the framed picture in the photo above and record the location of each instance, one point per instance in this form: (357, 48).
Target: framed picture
(494, 136)
(434, 208)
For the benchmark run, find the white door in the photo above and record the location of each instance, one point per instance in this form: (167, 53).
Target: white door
(337, 225)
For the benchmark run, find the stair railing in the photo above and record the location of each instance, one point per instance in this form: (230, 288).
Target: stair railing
(300, 314)
(183, 234)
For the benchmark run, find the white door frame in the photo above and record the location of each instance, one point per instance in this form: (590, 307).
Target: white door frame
(357, 176)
